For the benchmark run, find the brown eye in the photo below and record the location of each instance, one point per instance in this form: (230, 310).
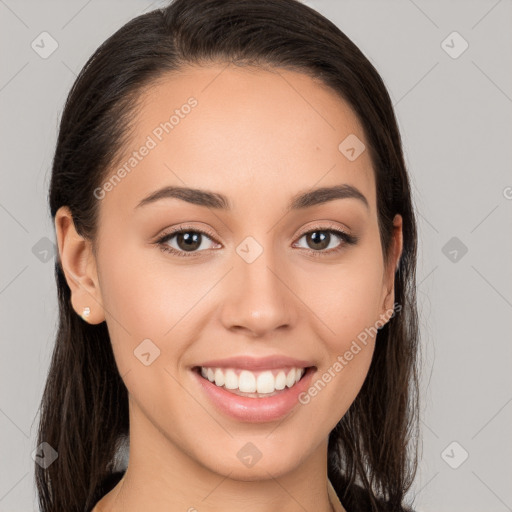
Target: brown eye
(318, 240)
(185, 241)
(322, 240)
(188, 240)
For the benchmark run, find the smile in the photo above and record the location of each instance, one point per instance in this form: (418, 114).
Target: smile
(253, 396)
(253, 383)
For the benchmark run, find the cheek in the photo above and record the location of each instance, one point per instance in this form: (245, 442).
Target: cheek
(144, 298)
(141, 289)
(347, 301)
(346, 297)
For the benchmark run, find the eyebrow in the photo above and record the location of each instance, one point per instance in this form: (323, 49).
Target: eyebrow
(219, 201)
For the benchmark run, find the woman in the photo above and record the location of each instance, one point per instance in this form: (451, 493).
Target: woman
(237, 250)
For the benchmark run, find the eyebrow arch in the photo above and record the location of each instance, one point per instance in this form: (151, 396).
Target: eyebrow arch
(325, 194)
(218, 201)
(191, 195)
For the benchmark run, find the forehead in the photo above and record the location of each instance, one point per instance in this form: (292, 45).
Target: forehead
(223, 127)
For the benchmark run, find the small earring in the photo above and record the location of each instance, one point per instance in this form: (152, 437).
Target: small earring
(86, 313)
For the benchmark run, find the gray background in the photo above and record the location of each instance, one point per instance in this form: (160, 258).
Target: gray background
(454, 114)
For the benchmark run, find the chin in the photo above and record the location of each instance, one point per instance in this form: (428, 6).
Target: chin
(265, 468)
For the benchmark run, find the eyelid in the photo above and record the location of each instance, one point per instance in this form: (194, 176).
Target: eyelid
(324, 226)
(186, 227)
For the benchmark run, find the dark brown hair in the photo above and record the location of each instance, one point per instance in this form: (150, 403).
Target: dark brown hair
(84, 407)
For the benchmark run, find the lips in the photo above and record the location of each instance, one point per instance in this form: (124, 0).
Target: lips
(250, 408)
(255, 364)
(265, 398)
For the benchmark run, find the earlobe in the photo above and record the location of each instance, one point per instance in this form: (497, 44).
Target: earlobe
(79, 266)
(387, 308)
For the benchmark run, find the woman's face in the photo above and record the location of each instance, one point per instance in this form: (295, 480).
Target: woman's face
(257, 283)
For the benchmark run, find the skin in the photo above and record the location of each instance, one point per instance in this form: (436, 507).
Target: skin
(254, 134)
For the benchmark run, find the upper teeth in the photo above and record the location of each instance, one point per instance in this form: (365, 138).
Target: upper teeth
(246, 381)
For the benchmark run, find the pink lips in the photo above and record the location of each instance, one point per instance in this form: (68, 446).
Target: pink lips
(254, 363)
(255, 410)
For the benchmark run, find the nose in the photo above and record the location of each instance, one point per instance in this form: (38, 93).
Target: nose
(259, 299)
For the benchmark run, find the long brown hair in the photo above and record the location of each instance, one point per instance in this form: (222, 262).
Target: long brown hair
(84, 407)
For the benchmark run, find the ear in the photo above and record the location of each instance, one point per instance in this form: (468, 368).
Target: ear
(79, 266)
(395, 252)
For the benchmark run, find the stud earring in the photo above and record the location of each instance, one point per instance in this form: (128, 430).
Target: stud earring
(86, 313)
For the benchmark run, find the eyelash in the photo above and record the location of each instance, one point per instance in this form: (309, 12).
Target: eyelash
(345, 237)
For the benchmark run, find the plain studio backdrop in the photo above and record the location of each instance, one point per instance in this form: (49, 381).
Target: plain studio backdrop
(447, 67)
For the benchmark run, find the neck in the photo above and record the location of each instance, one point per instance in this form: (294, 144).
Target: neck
(161, 474)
